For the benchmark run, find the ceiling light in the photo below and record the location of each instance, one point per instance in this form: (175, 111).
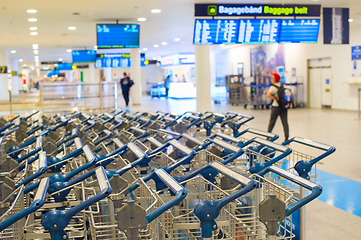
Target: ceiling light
(35, 45)
(140, 50)
(164, 43)
(33, 28)
(24, 65)
(72, 28)
(145, 49)
(350, 20)
(36, 51)
(36, 60)
(156, 45)
(20, 60)
(60, 59)
(95, 47)
(69, 50)
(13, 51)
(32, 67)
(36, 57)
(32, 19)
(141, 19)
(156, 10)
(31, 11)
(37, 64)
(177, 39)
(33, 33)
(35, 48)
(154, 58)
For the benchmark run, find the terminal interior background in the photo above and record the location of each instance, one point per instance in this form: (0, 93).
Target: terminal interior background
(329, 94)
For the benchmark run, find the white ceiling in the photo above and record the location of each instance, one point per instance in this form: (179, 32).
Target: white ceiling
(54, 17)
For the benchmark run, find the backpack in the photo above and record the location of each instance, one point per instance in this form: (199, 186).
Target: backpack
(130, 83)
(285, 97)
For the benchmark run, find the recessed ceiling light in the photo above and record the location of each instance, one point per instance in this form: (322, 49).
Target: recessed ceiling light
(32, 67)
(177, 39)
(13, 51)
(33, 28)
(35, 45)
(37, 64)
(31, 11)
(154, 58)
(164, 43)
(33, 33)
(156, 45)
(156, 10)
(36, 57)
(35, 48)
(350, 20)
(36, 51)
(32, 19)
(69, 50)
(145, 49)
(20, 60)
(24, 65)
(141, 19)
(72, 28)
(60, 59)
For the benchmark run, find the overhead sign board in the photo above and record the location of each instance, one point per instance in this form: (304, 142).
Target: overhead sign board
(356, 52)
(177, 59)
(269, 10)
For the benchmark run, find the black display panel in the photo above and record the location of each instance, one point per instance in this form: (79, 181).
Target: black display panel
(258, 30)
(118, 36)
(336, 28)
(84, 56)
(210, 31)
(299, 31)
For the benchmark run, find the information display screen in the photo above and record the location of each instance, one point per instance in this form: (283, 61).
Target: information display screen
(65, 66)
(258, 30)
(299, 31)
(210, 31)
(84, 56)
(117, 36)
(116, 60)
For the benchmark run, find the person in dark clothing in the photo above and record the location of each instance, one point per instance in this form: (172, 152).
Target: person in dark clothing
(276, 109)
(167, 82)
(125, 83)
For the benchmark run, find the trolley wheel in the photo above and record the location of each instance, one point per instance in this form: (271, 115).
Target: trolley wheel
(232, 104)
(255, 106)
(245, 105)
(262, 106)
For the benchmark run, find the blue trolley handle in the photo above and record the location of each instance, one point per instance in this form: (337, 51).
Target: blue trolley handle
(303, 167)
(12, 120)
(6, 127)
(37, 203)
(56, 221)
(178, 190)
(208, 211)
(257, 167)
(42, 168)
(272, 137)
(142, 131)
(315, 189)
(38, 148)
(27, 118)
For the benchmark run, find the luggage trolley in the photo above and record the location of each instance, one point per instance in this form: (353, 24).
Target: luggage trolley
(139, 213)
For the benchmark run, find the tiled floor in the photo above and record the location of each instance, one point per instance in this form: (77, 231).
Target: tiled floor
(336, 128)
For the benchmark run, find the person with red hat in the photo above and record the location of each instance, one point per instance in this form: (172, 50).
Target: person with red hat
(276, 111)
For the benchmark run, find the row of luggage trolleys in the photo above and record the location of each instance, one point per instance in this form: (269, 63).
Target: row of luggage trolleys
(145, 175)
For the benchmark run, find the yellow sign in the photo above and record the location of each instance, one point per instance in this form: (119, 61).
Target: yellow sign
(74, 67)
(20, 75)
(328, 90)
(146, 62)
(14, 73)
(3, 69)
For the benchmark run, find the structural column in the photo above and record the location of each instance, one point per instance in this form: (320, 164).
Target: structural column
(203, 77)
(135, 70)
(4, 95)
(14, 79)
(91, 73)
(108, 74)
